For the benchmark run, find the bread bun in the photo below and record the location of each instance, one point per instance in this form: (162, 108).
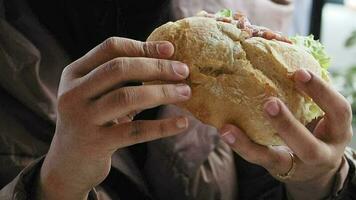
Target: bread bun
(232, 74)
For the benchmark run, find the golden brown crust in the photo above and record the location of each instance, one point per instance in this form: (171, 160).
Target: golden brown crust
(231, 75)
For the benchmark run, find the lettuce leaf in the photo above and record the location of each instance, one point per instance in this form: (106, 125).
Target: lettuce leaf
(224, 13)
(314, 47)
(317, 50)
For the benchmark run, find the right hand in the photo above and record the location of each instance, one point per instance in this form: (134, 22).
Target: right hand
(93, 107)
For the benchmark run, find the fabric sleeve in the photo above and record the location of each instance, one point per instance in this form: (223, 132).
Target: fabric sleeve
(22, 187)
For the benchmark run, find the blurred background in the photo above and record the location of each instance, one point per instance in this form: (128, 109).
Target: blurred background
(334, 22)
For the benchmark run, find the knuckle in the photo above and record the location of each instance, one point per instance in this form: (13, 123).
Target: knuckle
(146, 49)
(165, 91)
(125, 97)
(116, 66)
(110, 43)
(161, 69)
(67, 71)
(137, 129)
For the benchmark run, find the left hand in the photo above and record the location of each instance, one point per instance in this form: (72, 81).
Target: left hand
(318, 154)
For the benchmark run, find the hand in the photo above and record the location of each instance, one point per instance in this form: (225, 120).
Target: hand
(95, 110)
(318, 154)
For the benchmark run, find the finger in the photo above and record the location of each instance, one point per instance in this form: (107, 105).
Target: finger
(122, 101)
(119, 47)
(121, 70)
(302, 142)
(127, 118)
(135, 132)
(335, 106)
(275, 160)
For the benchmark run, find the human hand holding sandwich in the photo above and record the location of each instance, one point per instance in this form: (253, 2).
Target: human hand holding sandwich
(317, 154)
(95, 112)
(271, 87)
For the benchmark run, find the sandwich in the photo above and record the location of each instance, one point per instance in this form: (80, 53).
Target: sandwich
(235, 66)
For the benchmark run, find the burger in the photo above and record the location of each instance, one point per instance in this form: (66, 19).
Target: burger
(235, 66)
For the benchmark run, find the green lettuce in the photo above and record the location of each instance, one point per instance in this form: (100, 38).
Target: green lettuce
(224, 13)
(317, 50)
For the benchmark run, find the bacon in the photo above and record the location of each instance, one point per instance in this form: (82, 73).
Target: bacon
(269, 35)
(241, 21)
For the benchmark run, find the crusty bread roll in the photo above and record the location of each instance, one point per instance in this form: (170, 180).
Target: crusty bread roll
(232, 74)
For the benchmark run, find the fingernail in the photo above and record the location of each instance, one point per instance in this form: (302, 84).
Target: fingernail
(228, 137)
(165, 49)
(180, 69)
(272, 108)
(182, 123)
(183, 90)
(303, 76)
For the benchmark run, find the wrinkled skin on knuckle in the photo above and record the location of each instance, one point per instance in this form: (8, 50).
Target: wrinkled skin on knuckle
(160, 68)
(116, 66)
(111, 44)
(147, 49)
(126, 97)
(166, 91)
(137, 130)
(132, 47)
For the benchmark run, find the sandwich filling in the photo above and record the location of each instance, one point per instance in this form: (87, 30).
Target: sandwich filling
(242, 22)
